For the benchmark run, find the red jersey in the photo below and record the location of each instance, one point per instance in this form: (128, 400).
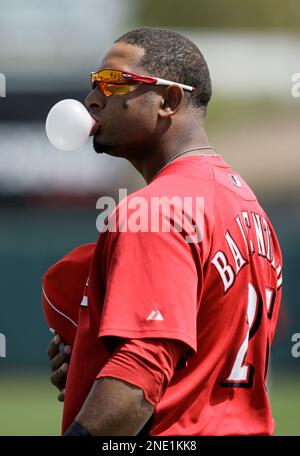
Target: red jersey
(212, 282)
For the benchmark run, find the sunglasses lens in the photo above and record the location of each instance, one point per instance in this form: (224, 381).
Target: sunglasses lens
(113, 89)
(111, 76)
(111, 82)
(108, 76)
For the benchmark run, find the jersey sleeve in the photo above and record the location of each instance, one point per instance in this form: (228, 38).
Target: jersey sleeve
(152, 285)
(146, 363)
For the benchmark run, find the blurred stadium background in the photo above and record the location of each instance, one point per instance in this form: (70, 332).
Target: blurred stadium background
(48, 198)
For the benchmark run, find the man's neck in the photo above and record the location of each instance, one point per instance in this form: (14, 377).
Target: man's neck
(151, 163)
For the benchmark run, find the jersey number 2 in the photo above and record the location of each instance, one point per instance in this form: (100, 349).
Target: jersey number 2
(241, 374)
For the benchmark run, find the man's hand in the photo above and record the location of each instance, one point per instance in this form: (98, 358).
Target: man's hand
(59, 361)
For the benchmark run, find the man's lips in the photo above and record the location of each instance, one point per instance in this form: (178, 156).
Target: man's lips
(95, 126)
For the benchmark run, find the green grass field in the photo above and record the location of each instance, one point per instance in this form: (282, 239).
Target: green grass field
(28, 405)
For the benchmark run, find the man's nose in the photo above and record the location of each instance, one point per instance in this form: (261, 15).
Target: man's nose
(95, 100)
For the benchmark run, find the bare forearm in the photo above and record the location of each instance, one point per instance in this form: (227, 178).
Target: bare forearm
(114, 407)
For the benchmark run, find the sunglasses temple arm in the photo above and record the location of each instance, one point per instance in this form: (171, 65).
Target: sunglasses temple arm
(165, 82)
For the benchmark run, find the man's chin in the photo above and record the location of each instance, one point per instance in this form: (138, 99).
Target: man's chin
(110, 149)
(101, 148)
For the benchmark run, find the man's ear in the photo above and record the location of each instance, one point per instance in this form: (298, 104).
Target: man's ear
(172, 100)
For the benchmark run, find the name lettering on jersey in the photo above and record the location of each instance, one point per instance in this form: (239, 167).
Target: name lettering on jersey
(239, 260)
(256, 238)
(247, 226)
(225, 270)
(259, 234)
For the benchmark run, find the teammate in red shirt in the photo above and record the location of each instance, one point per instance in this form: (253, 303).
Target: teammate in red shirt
(176, 323)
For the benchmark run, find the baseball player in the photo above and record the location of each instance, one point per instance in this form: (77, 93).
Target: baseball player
(179, 311)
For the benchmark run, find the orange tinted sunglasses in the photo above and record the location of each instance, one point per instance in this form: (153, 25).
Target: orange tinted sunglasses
(112, 82)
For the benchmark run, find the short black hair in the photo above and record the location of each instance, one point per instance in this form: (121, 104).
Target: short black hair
(170, 55)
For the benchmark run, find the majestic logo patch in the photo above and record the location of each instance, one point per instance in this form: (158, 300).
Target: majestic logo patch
(155, 315)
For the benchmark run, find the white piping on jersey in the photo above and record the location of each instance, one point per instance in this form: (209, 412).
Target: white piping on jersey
(279, 275)
(57, 310)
